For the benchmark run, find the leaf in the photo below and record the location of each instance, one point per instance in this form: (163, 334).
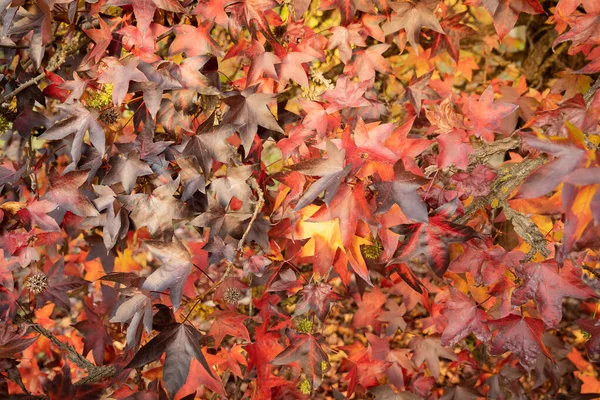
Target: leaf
(429, 349)
(36, 213)
(316, 297)
(592, 327)
(570, 154)
(402, 191)
(120, 74)
(419, 90)
(191, 178)
(144, 9)
(228, 323)
(181, 342)
(412, 17)
(220, 221)
(484, 116)
(177, 265)
(125, 169)
(464, 317)
(346, 94)
(94, 333)
(546, 284)
(79, 121)
(344, 38)
(331, 170)
(506, 12)
(13, 341)
(520, 335)
(432, 239)
(157, 210)
(306, 350)
(248, 110)
(102, 38)
(137, 309)
(349, 206)
(58, 286)
(210, 143)
(195, 41)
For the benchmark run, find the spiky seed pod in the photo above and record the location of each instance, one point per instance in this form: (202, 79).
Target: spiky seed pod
(232, 295)
(37, 283)
(373, 251)
(109, 116)
(304, 325)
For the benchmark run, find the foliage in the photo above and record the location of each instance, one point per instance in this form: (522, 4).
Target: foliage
(290, 199)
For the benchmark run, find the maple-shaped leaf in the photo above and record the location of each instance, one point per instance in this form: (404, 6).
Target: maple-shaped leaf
(13, 340)
(191, 177)
(432, 238)
(418, 90)
(95, 336)
(346, 94)
(119, 74)
(592, 327)
(228, 323)
(455, 32)
(347, 9)
(317, 297)
(135, 310)
(210, 143)
(464, 317)
(368, 61)
(248, 110)
(157, 210)
(370, 307)
(290, 67)
(144, 9)
(261, 63)
(145, 145)
(58, 286)
(37, 19)
(307, 350)
(330, 169)
(233, 184)
(177, 265)
(213, 10)
(429, 349)
(402, 191)
(181, 342)
(221, 221)
(546, 283)
(412, 17)
(126, 169)
(520, 335)
(505, 13)
(363, 369)
(349, 206)
(79, 121)
(36, 213)
(343, 38)
(64, 191)
(195, 41)
(570, 154)
(484, 116)
(102, 38)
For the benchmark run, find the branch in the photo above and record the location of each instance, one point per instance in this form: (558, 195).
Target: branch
(589, 95)
(526, 229)
(95, 373)
(57, 60)
(507, 181)
(591, 270)
(482, 154)
(259, 204)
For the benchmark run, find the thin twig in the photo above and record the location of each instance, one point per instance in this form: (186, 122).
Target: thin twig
(589, 95)
(592, 271)
(240, 247)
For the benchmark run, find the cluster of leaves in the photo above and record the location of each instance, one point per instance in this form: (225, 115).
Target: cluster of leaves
(281, 199)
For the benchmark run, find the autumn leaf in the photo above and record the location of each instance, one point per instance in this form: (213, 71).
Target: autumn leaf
(520, 335)
(13, 341)
(546, 284)
(430, 350)
(181, 342)
(177, 265)
(484, 116)
(305, 349)
(464, 317)
(432, 239)
(506, 12)
(228, 323)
